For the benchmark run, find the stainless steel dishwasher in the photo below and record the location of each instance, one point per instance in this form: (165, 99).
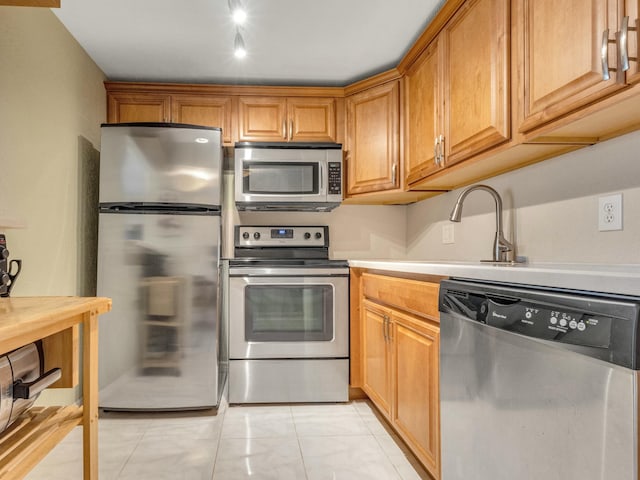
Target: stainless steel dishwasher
(537, 383)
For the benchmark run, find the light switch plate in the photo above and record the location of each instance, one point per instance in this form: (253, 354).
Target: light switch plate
(448, 233)
(610, 212)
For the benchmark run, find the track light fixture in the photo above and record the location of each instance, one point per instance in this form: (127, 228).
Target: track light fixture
(239, 49)
(238, 12)
(239, 16)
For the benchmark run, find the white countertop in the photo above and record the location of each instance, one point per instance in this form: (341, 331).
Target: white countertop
(620, 279)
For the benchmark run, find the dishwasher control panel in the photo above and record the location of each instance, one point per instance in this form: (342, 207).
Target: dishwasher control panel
(550, 323)
(599, 325)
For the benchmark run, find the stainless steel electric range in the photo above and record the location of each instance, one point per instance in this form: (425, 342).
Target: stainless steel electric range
(288, 317)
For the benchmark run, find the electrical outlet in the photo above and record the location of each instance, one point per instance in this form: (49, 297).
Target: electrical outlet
(447, 233)
(610, 212)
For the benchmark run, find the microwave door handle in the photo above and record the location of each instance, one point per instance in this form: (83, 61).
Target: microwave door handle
(321, 179)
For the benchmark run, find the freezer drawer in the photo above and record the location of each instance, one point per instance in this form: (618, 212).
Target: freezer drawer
(287, 381)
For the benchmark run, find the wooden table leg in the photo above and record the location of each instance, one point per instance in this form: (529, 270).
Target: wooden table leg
(90, 395)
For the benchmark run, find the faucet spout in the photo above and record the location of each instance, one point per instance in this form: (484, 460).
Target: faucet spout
(502, 249)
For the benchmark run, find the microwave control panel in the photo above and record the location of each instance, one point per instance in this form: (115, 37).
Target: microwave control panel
(335, 178)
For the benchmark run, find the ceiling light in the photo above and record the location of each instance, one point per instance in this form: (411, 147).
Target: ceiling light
(239, 16)
(239, 49)
(238, 13)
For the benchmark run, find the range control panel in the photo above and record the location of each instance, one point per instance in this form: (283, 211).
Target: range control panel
(281, 236)
(550, 323)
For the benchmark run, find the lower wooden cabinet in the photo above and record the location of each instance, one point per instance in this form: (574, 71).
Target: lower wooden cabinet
(400, 360)
(416, 412)
(377, 352)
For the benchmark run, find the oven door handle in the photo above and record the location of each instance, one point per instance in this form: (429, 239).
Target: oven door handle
(288, 273)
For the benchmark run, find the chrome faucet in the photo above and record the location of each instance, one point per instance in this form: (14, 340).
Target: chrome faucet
(502, 249)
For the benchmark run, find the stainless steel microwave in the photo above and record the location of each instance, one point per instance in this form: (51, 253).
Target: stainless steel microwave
(288, 176)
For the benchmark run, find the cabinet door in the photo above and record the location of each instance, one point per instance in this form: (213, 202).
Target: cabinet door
(562, 64)
(423, 99)
(204, 110)
(376, 355)
(262, 119)
(632, 10)
(138, 107)
(416, 413)
(476, 95)
(311, 119)
(373, 126)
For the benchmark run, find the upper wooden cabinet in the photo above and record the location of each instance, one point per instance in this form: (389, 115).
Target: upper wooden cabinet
(373, 139)
(563, 48)
(422, 113)
(209, 111)
(632, 10)
(282, 119)
(31, 3)
(458, 97)
(138, 107)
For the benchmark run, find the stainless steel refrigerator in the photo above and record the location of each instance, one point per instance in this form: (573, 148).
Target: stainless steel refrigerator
(158, 259)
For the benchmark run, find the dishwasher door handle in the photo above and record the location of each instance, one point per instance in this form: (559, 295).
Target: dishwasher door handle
(500, 300)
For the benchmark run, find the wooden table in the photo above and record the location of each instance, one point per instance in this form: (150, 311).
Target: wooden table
(56, 321)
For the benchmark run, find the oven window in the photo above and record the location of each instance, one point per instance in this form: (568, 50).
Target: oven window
(282, 178)
(288, 313)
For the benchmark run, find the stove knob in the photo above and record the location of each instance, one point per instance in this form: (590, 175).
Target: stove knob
(4, 279)
(245, 235)
(307, 236)
(256, 235)
(318, 235)
(4, 253)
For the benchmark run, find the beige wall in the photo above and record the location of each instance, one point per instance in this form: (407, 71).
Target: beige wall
(551, 209)
(52, 102)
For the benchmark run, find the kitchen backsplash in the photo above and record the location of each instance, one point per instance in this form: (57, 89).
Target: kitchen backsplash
(550, 211)
(355, 231)
(551, 206)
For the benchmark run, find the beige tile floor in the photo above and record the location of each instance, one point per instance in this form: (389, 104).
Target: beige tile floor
(280, 442)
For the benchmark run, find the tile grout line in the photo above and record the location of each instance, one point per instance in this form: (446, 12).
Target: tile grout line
(391, 436)
(295, 429)
(124, 464)
(215, 456)
(375, 439)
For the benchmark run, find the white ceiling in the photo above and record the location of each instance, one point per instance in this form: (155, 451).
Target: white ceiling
(289, 42)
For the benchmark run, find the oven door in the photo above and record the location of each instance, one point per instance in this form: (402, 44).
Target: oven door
(279, 316)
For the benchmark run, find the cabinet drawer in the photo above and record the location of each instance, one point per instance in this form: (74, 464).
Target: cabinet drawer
(413, 296)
